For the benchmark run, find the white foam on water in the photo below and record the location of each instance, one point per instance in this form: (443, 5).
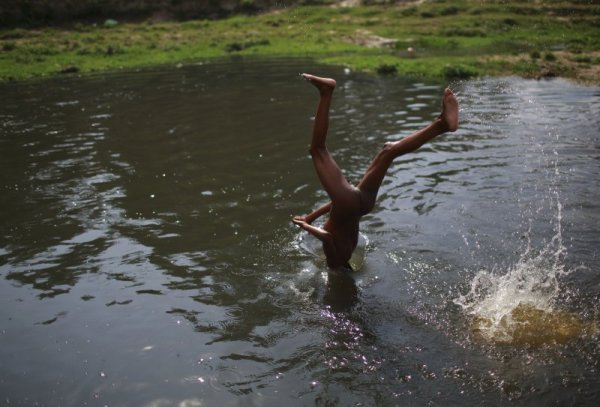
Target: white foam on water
(533, 281)
(532, 285)
(312, 246)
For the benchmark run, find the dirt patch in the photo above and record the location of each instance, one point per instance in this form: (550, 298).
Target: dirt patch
(582, 68)
(367, 39)
(586, 67)
(349, 3)
(354, 3)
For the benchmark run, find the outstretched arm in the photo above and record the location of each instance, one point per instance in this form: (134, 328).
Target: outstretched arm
(323, 235)
(319, 233)
(311, 217)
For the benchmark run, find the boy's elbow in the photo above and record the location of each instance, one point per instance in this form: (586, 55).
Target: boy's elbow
(328, 238)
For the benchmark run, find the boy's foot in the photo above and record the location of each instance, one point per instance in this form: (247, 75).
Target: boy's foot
(449, 115)
(323, 84)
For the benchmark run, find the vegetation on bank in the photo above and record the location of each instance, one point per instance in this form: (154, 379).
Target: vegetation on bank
(436, 38)
(36, 13)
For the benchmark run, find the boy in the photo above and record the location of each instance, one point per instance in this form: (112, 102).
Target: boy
(339, 234)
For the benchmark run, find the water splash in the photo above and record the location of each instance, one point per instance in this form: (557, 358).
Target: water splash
(520, 305)
(502, 305)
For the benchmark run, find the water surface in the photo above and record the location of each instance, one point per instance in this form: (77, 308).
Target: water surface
(147, 255)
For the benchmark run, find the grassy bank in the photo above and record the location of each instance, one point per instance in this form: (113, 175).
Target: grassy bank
(452, 39)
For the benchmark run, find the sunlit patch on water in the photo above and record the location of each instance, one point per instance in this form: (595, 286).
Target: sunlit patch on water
(345, 345)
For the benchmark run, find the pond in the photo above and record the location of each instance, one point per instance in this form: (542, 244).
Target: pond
(147, 255)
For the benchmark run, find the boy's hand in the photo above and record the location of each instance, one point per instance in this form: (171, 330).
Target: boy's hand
(298, 220)
(319, 233)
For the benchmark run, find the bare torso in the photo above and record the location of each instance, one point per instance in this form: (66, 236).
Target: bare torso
(343, 226)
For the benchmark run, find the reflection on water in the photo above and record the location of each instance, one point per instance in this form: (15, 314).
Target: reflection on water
(147, 254)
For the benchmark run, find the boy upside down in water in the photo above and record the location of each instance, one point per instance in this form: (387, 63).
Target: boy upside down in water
(348, 204)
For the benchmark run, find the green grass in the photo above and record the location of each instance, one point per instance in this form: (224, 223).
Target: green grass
(451, 39)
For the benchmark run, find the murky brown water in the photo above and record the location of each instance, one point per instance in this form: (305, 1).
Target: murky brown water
(147, 255)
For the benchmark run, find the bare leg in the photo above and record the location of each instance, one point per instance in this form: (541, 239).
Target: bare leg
(330, 175)
(371, 181)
